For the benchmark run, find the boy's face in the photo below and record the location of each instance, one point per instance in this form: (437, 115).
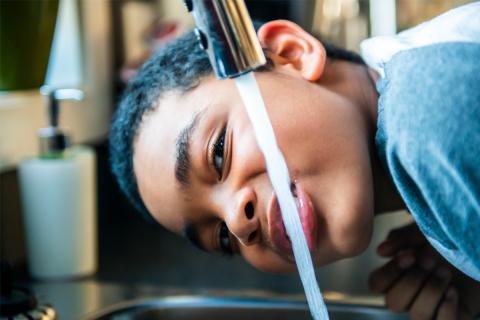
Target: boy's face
(221, 197)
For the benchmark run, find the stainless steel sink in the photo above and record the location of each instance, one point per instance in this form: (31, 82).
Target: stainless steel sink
(216, 308)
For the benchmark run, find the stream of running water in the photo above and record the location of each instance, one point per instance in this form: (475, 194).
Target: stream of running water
(280, 179)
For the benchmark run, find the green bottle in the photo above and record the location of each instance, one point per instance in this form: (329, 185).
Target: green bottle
(26, 33)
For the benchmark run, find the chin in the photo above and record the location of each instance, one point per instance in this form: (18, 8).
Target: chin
(357, 240)
(349, 243)
(353, 251)
(352, 233)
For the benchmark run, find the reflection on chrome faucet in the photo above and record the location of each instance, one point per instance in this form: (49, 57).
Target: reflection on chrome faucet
(225, 30)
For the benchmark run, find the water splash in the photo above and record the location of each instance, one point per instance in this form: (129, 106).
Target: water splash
(279, 177)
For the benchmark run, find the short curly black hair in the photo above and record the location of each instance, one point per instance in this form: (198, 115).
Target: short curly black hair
(179, 66)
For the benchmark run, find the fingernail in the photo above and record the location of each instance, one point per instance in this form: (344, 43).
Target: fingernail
(406, 261)
(443, 273)
(427, 263)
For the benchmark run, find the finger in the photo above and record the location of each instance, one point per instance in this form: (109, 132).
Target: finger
(388, 248)
(427, 262)
(405, 258)
(427, 258)
(431, 294)
(424, 258)
(448, 307)
(401, 238)
(382, 278)
(401, 295)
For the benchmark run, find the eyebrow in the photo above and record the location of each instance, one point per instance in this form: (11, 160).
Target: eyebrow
(191, 233)
(182, 157)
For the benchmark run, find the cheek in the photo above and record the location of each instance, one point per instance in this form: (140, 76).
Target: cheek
(350, 214)
(327, 148)
(344, 202)
(309, 127)
(350, 206)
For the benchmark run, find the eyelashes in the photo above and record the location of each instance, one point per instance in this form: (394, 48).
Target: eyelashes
(224, 240)
(217, 156)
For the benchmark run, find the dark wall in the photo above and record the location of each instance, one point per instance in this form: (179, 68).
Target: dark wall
(11, 223)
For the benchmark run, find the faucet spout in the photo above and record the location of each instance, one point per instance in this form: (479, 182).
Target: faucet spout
(225, 30)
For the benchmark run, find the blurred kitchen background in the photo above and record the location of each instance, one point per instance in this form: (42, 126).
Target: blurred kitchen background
(97, 45)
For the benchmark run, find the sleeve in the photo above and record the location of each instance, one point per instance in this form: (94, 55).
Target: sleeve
(431, 114)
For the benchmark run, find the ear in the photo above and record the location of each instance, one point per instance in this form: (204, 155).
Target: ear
(295, 46)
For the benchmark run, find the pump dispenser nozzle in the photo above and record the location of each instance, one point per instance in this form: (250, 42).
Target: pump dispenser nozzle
(225, 30)
(52, 139)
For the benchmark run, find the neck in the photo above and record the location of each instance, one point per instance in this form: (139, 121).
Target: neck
(357, 82)
(386, 196)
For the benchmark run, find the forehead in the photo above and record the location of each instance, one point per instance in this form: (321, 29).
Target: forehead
(155, 148)
(154, 153)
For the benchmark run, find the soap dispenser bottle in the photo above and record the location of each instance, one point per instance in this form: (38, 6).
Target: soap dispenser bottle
(58, 199)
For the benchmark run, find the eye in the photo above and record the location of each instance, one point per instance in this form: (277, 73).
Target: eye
(218, 153)
(224, 240)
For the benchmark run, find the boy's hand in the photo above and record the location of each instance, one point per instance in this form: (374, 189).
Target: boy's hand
(419, 281)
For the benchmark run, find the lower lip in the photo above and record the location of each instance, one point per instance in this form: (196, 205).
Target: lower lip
(308, 221)
(308, 218)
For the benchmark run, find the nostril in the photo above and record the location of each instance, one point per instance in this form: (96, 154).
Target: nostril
(249, 210)
(252, 236)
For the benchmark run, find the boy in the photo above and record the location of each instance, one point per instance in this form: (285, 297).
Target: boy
(184, 152)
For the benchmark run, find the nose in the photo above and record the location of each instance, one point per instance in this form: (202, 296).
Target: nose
(243, 221)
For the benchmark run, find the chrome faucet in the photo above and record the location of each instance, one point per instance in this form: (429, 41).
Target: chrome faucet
(225, 30)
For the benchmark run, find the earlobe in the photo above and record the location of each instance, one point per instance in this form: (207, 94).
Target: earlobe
(295, 47)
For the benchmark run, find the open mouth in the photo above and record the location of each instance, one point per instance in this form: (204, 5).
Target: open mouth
(276, 228)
